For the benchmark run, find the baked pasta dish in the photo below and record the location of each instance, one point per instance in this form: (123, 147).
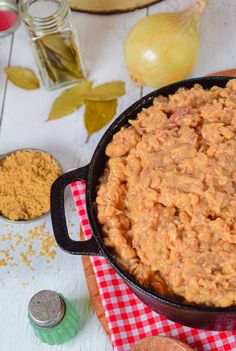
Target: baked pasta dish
(166, 201)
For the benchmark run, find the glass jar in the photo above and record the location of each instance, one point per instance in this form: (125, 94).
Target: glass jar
(54, 41)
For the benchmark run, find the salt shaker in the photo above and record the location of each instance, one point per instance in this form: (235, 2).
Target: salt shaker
(54, 41)
(53, 319)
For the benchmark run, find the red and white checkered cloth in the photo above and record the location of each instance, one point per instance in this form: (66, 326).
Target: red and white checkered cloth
(127, 317)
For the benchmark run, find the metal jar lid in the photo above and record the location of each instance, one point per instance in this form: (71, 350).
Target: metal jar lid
(9, 7)
(46, 309)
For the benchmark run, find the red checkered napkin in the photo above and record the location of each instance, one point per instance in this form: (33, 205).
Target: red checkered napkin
(127, 317)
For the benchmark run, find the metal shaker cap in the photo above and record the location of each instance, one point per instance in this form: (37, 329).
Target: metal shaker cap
(46, 309)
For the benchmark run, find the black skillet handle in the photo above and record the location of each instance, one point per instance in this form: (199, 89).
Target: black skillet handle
(87, 247)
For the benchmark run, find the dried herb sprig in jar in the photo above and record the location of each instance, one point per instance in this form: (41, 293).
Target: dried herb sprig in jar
(54, 41)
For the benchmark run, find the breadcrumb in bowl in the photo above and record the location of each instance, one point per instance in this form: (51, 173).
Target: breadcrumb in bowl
(26, 176)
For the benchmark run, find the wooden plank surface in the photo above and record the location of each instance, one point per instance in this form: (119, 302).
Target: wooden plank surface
(23, 125)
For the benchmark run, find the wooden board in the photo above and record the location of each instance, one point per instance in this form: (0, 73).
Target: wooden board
(227, 73)
(93, 290)
(94, 293)
(109, 6)
(88, 268)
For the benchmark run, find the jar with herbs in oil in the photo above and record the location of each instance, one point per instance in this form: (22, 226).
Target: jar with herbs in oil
(54, 41)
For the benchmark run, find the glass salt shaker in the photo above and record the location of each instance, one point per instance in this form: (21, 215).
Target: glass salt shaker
(54, 41)
(52, 317)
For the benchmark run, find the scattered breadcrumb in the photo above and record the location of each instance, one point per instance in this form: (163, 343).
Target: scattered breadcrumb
(3, 263)
(24, 284)
(70, 224)
(35, 243)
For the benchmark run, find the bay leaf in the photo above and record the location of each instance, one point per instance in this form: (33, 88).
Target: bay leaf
(71, 67)
(69, 100)
(65, 76)
(47, 65)
(57, 72)
(76, 53)
(22, 77)
(98, 114)
(107, 91)
(60, 43)
(55, 66)
(62, 54)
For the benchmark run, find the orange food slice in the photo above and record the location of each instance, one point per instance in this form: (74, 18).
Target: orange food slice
(160, 343)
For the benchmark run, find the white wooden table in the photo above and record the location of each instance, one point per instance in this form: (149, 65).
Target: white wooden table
(22, 124)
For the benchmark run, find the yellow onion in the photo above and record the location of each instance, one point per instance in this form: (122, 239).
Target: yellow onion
(163, 48)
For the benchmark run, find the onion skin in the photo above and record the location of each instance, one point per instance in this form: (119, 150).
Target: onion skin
(162, 48)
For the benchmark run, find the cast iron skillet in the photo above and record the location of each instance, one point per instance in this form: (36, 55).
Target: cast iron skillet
(194, 316)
